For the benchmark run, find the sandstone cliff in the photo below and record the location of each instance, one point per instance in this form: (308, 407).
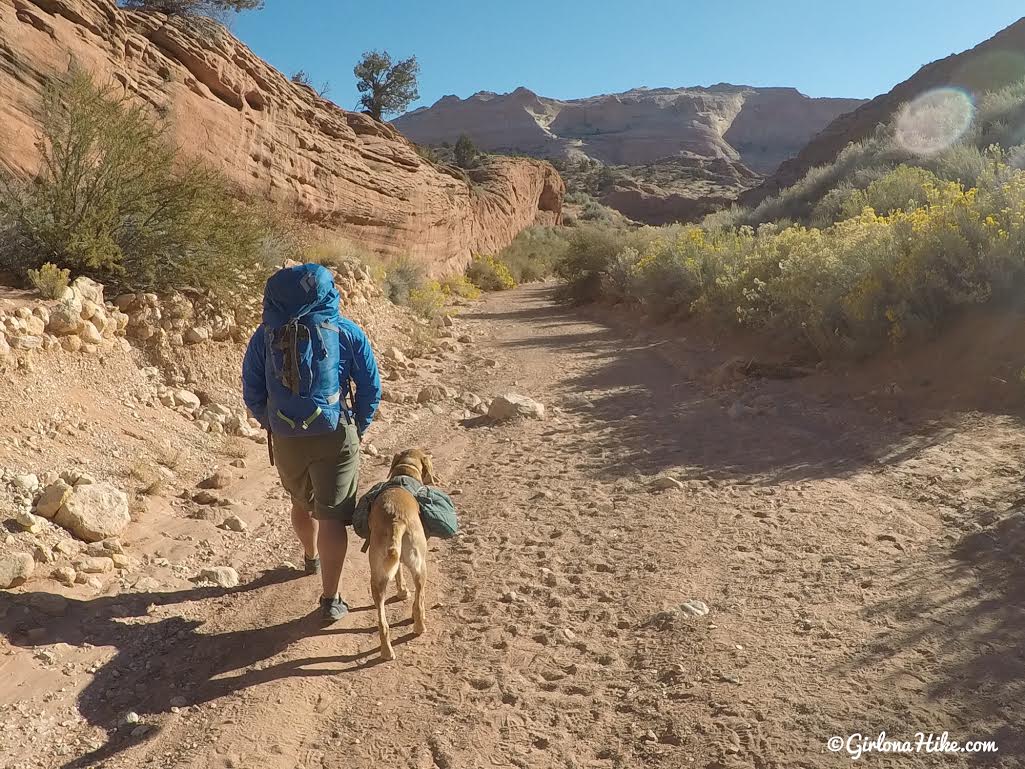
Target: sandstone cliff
(343, 170)
(991, 65)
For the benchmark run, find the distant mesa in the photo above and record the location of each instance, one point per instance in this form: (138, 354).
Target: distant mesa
(709, 143)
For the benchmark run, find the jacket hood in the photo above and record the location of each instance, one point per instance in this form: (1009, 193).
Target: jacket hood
(296, 292)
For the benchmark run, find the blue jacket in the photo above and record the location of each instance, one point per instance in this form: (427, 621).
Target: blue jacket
(356, 358)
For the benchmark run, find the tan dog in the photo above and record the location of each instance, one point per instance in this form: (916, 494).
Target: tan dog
(396, 538)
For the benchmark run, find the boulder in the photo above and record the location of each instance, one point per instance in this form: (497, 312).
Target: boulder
(512, 406)
(95, 511)
(432, 394)
(95, 565)
(52, 498)
(222, 576)
(187, 399)
(15, 569)
(65, 318)
(89, 334)
(219, 480)
(196, 335)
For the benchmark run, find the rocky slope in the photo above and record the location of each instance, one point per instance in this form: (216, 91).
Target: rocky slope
(342, 170)
(725, 137)
(991, 65)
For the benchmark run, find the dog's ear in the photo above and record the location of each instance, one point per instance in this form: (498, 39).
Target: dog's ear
(428, 469)
(395, 460)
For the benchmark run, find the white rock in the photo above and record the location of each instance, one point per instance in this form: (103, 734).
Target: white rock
(94, 565)
(30, 523)
(15, 569)
(694, 608)
(52, 499)
(665, 483)
(234, 523)
(511, 405)
(222, 576)
(196, 335)
(28, 483)
(65, 575)
(95, 511)
(89, 334)
(186, 398)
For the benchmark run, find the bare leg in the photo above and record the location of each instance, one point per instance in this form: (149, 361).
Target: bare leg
(400, 585)
(378, 587)
(333, 542)
(305, 528)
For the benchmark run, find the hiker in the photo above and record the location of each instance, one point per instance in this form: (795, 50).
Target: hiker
(296, 381)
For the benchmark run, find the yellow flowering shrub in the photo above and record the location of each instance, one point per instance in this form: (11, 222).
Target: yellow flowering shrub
(489, 274)
(867, 281)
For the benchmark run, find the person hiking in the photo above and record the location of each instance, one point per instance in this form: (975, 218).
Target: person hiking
(296, 382)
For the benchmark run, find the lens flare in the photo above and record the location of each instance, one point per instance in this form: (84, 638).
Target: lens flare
(935, 120)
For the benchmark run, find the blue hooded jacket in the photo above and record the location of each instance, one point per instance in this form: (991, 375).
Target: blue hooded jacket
(307, 292)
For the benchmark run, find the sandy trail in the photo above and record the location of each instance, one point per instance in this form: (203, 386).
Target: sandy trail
(863, 574)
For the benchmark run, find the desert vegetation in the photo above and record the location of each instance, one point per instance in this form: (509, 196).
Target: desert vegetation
(387, 87)
(116, 201)
(880, 248)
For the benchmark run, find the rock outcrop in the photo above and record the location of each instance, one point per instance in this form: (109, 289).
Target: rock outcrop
(991, 65)
(343, 170)
(759, 127)
(716, 142)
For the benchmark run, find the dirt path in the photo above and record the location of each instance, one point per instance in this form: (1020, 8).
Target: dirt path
(863, 574)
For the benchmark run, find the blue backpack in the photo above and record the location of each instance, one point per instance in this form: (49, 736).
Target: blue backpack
(302, 330)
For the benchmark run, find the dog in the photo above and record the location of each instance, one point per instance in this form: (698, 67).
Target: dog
(397, 538)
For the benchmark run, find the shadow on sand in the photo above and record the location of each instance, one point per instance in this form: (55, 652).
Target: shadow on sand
(169, 662)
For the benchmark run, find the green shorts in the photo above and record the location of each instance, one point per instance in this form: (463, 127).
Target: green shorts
(321, 472)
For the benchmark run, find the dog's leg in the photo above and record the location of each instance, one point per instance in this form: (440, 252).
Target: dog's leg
(400, 585)
(420, 583)
(377, 588)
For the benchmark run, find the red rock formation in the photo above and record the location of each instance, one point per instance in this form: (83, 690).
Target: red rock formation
(344, 170)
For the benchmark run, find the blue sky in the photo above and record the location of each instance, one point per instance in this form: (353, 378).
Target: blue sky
(576, 48)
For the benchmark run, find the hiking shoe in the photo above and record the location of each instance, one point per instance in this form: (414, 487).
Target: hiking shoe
(333, 609)
(312, 565)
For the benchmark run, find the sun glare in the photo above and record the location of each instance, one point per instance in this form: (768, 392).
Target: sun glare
(935, 120)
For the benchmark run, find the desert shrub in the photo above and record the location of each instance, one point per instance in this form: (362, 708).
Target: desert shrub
(596, 212)
(578, 198)
(427, 300)
(961, 163)
(339, 252)
(533, 254)
(459, 285)
(489, 274)
(868, 281)
(465, 152)
(49, 280)
(401, 277)
(113, 200)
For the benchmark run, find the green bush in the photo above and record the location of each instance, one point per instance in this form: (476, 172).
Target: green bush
(489, 274)
(848, 289)
(339, 252)
(428, 301)
(114, 201)
(534, 253)
(465, 152)
(402, 276)
(459, 285)
(49, 280)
